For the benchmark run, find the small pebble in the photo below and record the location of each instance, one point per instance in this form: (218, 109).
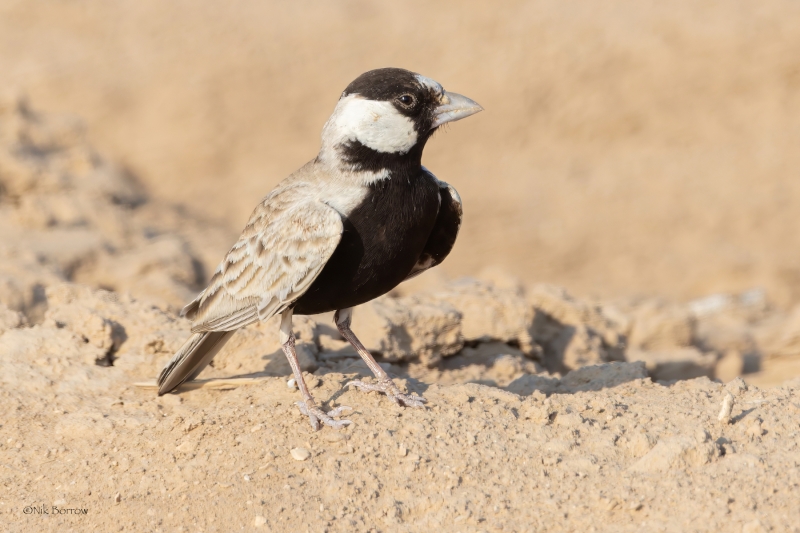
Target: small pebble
(755, 429)
(753, 527)
(292, 383)
(334, 436)
(171, 399)
(300, 454)
(727, 407)
(346, 450)
(117, 498)
(246, 477)
(259, 521)
(736, 386)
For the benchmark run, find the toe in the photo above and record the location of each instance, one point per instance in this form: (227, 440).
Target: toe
(365, 387)
(317, 417)
(339, 410)
(388, 388)
(397, 401)
(413, 402)
(338, 424)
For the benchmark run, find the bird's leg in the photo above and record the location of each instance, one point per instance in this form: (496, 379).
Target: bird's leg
(385, 385)
(308, 406)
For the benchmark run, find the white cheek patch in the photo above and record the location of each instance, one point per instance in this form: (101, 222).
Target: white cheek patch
(377, 125)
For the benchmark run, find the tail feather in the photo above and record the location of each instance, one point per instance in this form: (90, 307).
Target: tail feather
(191, 359)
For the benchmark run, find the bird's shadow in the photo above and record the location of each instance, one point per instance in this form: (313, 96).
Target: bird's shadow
(475, 364)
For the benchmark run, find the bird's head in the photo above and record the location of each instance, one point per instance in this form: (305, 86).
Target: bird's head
(384, 118)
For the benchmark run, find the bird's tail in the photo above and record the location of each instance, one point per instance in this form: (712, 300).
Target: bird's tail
(191, 359)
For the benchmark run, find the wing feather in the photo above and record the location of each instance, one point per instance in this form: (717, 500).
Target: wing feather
(281, 251)
(445, 230)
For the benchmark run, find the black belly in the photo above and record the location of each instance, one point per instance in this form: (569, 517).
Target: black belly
(382, 240)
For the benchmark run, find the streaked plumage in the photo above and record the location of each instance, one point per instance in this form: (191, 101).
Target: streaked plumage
(348, 226)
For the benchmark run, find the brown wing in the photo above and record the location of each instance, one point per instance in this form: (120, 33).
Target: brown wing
(283, 248)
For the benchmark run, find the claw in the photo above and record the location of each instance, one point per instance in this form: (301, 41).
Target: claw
(388, 388)
(317, 416)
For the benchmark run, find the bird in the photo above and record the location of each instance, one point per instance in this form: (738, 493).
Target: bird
(350, 225)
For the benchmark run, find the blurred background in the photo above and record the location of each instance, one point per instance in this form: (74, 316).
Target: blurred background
(629, 149)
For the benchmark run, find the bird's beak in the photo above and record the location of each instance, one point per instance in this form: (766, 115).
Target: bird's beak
(453, 107)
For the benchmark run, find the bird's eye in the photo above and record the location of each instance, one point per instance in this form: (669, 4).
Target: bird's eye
(407, 100)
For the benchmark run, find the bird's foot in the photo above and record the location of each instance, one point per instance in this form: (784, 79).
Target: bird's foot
(317, 416)
(388, 387)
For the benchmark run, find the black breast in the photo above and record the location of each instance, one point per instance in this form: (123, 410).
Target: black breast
(382, 240)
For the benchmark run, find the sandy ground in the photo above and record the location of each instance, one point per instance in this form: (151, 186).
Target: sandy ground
(620, 459)
(645, 157)
(502, 446)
